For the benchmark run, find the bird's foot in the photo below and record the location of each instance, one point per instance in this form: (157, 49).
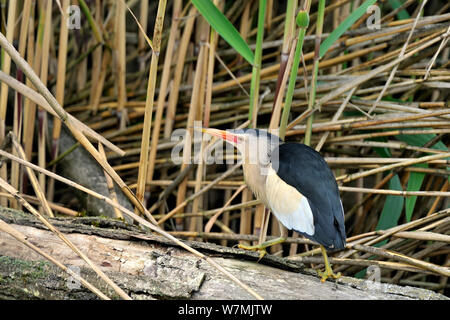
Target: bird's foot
(328, 273)
(260, 248)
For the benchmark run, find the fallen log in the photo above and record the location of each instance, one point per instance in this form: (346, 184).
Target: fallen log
(151, 267)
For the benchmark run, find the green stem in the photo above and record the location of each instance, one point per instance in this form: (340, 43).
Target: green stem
(291, 85)
(289, 29)
(302, 22)
(312, 96)
(254, 86)
(91, 21)
(62, 155)
(289, 24)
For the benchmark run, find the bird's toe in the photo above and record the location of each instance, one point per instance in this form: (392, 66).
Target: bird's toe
(327, 274)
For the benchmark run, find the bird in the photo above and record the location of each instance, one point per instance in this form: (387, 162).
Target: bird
(296, 184)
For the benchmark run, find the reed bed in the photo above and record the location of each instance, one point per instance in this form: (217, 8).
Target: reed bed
(375, 104)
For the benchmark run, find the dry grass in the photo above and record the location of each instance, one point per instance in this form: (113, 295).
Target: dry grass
(370, 133)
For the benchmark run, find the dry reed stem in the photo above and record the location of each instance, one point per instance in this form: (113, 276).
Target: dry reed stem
(276, 114)
(95, 101)
(18, 105)
(386, 134)
(173, 35)
(390, 145)
(441, 46)
(246, 215)
(6, 65)
(193, 107)
(347, 177)
(203, 190)
(40, 100)
(211, 221)
(211, 212)
(335, 118)
(110, 185)
(349, 124)
(390, 232)
(402, 52)
(171, 185)
(397, 192)
(363, 78)
(234, 237)
(374, 237)
(438, 198)
(21, 63)
(42, 115)
(423, 235)
(29, 108)
(365, 263)
(196, 224)
(59, 95)
(96, 82)
(120, 49)
(143, 20)
(34, 200)
(402, 258)
(34, 181)
(145, 143)
(182, 49)
(72, 126)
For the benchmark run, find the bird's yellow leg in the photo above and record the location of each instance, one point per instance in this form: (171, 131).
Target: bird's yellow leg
(262, 247)
(328, 271)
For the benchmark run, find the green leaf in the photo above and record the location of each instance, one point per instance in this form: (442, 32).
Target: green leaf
(382, 152)
(414, 184)
(419, 140)
(224, 27)
(393, 207)
(416, 178)
(402, 14)
(390, 215)
(344, 26)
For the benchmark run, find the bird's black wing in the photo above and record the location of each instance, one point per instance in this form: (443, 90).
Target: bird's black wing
(305, 169)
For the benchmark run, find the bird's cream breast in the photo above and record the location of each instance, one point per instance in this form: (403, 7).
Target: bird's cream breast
(256, 181)
(281, 197)
(290, 207)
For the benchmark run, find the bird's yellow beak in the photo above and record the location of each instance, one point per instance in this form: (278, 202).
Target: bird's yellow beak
(227, 136)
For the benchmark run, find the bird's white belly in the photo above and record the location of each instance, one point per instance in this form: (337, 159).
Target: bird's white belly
(289, 206)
